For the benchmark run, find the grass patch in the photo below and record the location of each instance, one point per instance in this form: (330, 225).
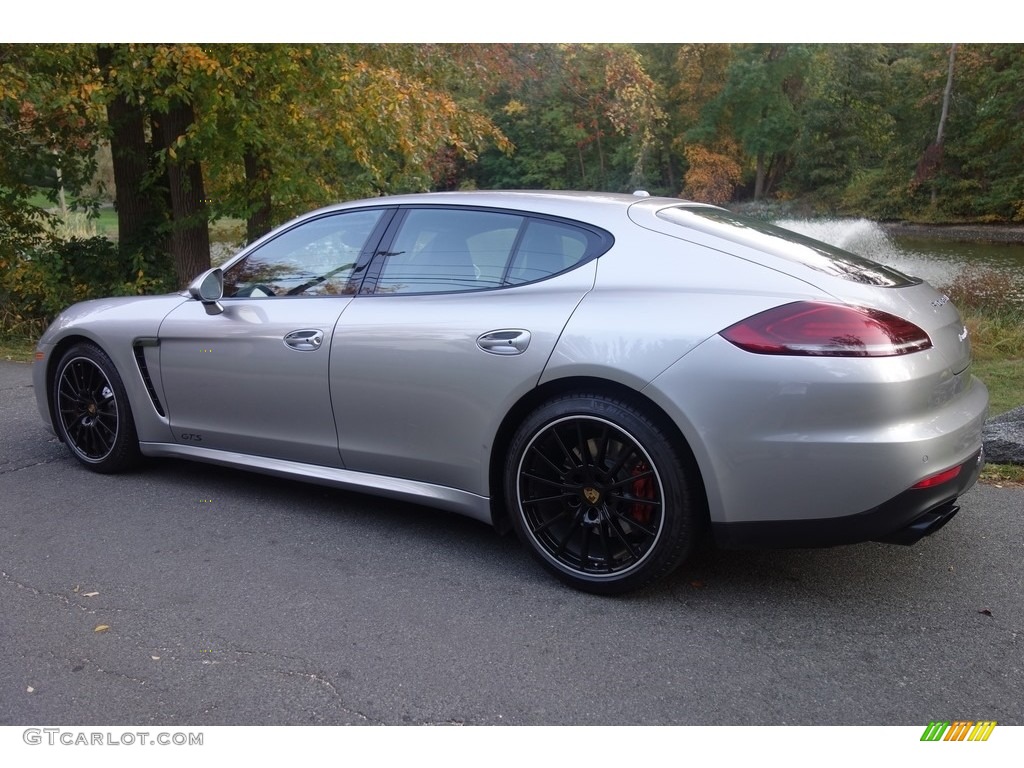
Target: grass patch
(1005, 382)
(16, 350)
(996, 323)
(1003, 474)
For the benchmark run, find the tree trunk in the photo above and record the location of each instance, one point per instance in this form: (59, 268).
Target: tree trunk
(190, 236)
(759, 178)
(257, 177)
(940, 134)
(137, 212)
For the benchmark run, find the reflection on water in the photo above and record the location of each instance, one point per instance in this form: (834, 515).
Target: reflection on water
(938, 261)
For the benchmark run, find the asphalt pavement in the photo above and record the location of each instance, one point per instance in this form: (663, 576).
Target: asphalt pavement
(230, 598)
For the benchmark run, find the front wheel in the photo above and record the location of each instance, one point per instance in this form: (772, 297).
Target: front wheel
(601, 494)
(91, 410)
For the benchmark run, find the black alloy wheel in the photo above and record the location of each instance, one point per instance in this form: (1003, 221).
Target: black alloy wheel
(91, 410)
(600, 494)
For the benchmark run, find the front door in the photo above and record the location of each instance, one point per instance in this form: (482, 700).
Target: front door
(254, 378)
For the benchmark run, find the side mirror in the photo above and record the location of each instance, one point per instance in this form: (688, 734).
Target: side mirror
(209, 289)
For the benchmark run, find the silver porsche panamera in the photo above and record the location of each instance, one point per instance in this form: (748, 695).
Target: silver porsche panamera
(611, 376)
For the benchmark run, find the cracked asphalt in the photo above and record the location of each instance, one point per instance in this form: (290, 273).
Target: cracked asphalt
(239, 599)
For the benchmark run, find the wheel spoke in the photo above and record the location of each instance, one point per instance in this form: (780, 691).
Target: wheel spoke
(568, 454)
(625, 541)
(624, 456)
(630, 479)
(547, 481)
(585, 457)
(554, 467)
(575, 523)
(585, 546)
(544, 526)
(609, 560)
(637, 500)
(602, 451)
(649, 532)
(542, 499)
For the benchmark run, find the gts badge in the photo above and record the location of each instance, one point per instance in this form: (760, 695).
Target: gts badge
(942, 300)
(191, 437)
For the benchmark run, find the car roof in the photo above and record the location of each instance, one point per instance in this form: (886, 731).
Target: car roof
(571, 204)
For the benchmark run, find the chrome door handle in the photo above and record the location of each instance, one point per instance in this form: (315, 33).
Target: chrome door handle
(510, 341)
(307, 340)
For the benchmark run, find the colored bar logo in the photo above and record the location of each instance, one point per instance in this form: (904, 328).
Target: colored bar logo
(958, 730)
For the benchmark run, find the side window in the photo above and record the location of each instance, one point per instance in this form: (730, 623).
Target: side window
(316, 258)
(548, 247)
(445, 250)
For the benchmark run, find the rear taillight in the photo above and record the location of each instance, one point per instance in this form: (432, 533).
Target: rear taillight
(832, 330)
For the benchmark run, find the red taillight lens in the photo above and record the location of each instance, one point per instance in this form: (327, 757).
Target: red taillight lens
(939, 479)
(832, 330)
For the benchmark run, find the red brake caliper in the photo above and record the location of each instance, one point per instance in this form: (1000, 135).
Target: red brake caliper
(642, 488)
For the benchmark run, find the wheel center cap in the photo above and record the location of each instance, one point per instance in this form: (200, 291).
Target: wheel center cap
(91, 408)
(592, 495)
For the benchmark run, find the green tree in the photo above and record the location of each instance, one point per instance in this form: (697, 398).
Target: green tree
(759, 105)
(48, 136)
(579, 116)
(845, 126)
(984, 144)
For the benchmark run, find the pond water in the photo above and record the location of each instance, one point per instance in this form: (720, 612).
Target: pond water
(939, 261)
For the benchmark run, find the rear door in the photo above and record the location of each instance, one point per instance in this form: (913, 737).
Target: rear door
(456, 321)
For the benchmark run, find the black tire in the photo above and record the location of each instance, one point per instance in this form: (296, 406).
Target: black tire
(91, 411)
(603, 497)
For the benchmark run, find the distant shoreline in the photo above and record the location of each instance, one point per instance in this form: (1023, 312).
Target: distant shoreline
(963, 233)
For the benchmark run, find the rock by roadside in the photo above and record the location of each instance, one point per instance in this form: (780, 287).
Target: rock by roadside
(1004, 438)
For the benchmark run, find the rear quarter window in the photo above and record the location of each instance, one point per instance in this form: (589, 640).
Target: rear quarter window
(786, 244)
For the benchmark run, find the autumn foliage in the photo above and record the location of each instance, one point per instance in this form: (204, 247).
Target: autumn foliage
(712, 177)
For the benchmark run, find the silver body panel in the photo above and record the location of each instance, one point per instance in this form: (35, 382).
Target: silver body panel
(415, 395)
(402, 399)
(232, 381)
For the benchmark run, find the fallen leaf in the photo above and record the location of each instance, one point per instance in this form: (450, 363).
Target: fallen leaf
(29, 689)
(75, 590)
(102, 628)
(90, 594)
(985, 611)
(697, 584)
(155, 658)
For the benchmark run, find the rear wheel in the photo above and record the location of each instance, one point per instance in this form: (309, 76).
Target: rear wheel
(91, 410)
(601, 494)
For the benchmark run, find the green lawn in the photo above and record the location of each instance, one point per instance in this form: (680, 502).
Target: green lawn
(17, 351)
(1005, 382)
(104, 225)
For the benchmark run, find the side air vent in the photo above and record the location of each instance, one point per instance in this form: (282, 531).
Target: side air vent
(139, 347)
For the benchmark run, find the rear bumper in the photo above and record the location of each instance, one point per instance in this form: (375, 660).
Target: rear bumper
(904, 519)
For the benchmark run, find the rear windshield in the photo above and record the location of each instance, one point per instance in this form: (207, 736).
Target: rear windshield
(787, 245)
